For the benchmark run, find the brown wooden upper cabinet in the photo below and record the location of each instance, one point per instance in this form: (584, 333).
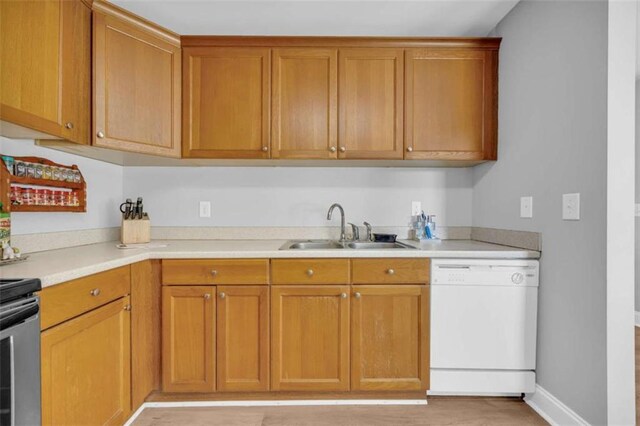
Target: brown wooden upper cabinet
(370, 103)
(136, 84)
(451, 104)
(304, 103)
(45, 66)
(226, 102)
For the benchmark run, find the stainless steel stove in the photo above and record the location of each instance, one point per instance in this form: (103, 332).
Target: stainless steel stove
(19, 352)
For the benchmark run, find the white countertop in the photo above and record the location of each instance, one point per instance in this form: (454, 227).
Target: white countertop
(56, 266)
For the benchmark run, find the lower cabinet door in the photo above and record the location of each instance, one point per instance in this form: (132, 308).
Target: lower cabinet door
(243, 338)
(86, 377)
(188, 339)
(310, 338)
(390, 332)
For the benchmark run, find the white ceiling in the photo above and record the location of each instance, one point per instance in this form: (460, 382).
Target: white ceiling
(334, 17)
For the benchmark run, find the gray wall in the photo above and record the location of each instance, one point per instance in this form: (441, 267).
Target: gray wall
(553, 140)
(638, 190)
(299, 196)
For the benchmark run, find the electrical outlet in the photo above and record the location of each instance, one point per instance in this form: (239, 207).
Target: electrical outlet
(526, 207)
(416, 208)
(205, 208)
(571, 206)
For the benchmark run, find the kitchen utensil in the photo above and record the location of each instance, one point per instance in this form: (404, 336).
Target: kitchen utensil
(126, 207)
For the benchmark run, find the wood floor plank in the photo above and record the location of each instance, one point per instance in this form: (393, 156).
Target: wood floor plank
(439, 411)
(638, 375)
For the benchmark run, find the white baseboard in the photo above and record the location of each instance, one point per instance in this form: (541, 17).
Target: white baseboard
(552, 409)
(274, 403)
(637, 319)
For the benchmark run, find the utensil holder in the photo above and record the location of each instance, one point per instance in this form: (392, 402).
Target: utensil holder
(135, 231)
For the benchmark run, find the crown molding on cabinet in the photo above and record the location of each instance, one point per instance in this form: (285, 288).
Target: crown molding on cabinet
(489, 43)
(141, 23)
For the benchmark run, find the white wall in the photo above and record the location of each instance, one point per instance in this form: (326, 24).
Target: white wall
(553, 140)
(638, 193)
(104, 193)
(277, 196)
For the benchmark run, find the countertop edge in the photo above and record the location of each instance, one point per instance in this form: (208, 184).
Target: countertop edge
(142, 254)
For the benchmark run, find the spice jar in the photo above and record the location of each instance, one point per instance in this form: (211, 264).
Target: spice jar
(16, 195)
(38, 197)
(55, 173)
(46, 172)
(77, 177)
(20, 168)
(58, 198)
(27, 196)
(39, 169)
(31, 170)
(74, 199)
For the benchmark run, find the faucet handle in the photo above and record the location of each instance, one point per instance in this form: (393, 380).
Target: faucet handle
(369, 233)
(355, 232)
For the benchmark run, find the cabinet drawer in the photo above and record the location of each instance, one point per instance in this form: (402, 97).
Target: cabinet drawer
(213, 271)
(310, 271)
(390, 270)
(64, 301)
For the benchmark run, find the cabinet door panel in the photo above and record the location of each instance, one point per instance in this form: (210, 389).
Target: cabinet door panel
(370, 103)
(188, 339)
(136, 89)
(390, 331)
(304, 104)
(226, 102)
(451, 104)
(86, 368)
(45, 69)
(243, 338)
(310, 330)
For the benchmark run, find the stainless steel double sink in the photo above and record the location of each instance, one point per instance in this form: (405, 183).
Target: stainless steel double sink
(337, 245)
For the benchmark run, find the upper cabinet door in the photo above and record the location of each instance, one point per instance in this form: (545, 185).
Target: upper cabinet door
(370, 104)
(304, 103)
(136, 86)
(451, 104)
(226, 102)
(45, 50)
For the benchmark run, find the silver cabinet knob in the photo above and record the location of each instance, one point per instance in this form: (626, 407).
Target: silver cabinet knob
(343, 295)
(95, 292)
(100, 135)
(332, 149)
(390, 271)
(265, 148)
(310, 272)
(409, 149)
(222, 295)
(207, 296)
(214, 272)
(357, 295)
(69, 125)
(343, 149)
(127, 308)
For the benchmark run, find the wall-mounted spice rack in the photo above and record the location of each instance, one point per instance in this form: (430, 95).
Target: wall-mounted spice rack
(34, 184)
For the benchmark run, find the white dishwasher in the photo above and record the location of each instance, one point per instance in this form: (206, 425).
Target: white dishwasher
(483, 326)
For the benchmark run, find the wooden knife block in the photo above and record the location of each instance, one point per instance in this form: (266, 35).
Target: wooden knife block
(135, 231)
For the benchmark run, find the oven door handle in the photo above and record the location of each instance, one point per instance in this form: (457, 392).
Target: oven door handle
(18, 316)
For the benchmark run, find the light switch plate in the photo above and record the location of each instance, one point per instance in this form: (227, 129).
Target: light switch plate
(205, 208)
(526, 207)
(416, 208)
(571, 206)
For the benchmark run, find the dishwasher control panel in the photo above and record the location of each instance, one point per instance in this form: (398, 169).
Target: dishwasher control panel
(503, 272)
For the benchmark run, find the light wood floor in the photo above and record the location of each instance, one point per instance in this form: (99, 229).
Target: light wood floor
(439, 411)
(638, 375)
